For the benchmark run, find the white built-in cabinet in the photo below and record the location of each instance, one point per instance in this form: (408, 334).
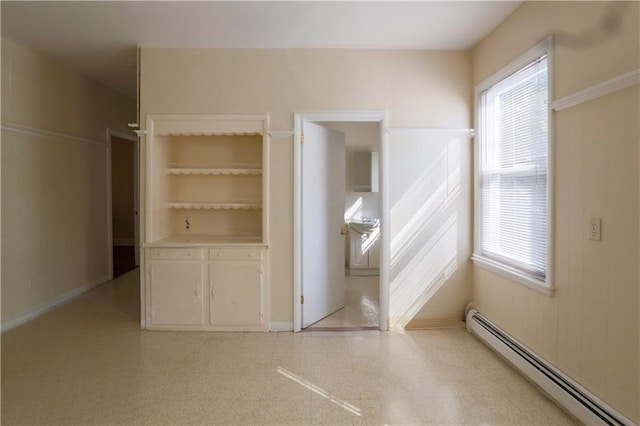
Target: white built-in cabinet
(205, 242)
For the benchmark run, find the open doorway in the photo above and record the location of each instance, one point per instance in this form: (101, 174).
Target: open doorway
(356, 297)
(361, 207)
(123, 202)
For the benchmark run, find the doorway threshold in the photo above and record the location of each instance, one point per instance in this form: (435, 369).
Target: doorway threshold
(340, 329)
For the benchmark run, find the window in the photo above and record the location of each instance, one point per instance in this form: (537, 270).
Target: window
(512, 165)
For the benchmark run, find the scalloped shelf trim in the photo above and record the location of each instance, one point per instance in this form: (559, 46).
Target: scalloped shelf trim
(215, 206)
(211, 171)
(209, 134)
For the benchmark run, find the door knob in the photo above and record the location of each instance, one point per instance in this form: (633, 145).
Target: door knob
(344, 230)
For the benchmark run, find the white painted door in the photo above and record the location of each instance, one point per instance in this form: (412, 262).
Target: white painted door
(323, 197)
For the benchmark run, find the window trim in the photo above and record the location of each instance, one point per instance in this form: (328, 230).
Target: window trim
(545, 47)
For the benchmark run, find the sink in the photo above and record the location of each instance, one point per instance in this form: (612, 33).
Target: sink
(365, 226)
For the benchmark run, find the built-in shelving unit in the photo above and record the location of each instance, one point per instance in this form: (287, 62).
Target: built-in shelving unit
(206, 176)
(205, 264)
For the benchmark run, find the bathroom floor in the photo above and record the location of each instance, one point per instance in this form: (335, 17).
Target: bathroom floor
(362, 305)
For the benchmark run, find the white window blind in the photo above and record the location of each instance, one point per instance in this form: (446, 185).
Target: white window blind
(513, 170)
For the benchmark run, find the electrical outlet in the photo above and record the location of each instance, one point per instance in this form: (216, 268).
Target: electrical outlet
(187, 224)
(595, 229)
(32, 282)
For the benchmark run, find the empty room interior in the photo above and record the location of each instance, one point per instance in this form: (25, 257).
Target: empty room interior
(320, 212)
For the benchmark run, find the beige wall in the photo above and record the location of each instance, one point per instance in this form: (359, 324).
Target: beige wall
(54, 198)
(417, 88)
(589, 328)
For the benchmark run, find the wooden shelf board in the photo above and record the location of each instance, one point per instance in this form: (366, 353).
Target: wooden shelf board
(215, 206)
(212, 171)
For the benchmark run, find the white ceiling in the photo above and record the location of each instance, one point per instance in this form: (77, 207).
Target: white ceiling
(99, 38)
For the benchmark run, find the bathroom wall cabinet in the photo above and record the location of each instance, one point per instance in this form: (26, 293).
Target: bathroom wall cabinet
(365, 171)
(205, 225)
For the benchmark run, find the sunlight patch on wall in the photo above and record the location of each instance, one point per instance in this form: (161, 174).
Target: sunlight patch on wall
(354, 211)
(424, 223)
(428, 270)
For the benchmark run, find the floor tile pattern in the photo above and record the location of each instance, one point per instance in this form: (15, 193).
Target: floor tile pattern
(88, 362)
(362, 305)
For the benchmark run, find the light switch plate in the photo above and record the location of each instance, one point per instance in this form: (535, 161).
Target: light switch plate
(595, 229)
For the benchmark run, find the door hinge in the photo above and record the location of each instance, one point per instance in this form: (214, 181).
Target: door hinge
(302, 300)
(301, 137)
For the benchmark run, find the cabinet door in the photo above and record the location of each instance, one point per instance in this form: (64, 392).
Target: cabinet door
(236, 293)
(176, 293)
(358, 259)
(374, 254)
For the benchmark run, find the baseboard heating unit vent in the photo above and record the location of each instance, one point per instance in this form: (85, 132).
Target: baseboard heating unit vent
(573, 397)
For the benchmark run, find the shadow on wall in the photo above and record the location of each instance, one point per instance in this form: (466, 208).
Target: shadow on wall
(424, 222)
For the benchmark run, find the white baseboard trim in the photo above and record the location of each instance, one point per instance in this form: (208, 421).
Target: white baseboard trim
(125, 242)
(280, 326)
(429, 323)
(54, 303)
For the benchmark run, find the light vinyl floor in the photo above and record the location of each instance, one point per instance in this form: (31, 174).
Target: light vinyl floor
(361, 304)
(88, 362)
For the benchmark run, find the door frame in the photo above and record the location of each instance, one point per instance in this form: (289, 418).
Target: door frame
(136, 191)
(383, 160)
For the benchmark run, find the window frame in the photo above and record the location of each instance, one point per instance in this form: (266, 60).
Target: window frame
(504, 269)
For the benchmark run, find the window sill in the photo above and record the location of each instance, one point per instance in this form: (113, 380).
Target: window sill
(513, 274)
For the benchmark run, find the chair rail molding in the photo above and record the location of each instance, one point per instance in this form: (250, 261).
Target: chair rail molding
(601, 89)
(18, 129)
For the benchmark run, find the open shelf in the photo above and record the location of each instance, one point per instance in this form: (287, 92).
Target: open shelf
(214, 169)
(211, 171)
(215, 206)
(206, 176)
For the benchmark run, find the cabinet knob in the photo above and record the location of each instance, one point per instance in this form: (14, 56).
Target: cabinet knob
(219, 254)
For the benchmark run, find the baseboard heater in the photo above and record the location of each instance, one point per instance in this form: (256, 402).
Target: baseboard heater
(585, 406)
